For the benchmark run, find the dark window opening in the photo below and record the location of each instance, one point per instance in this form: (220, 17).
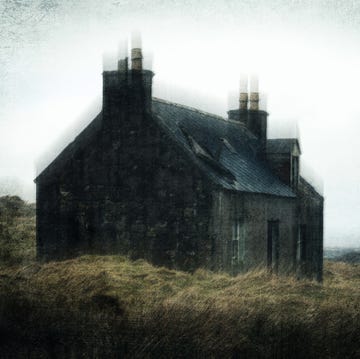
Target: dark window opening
(273, 245)
(223, 143)
(238, 245)
(295, 171)
(235, 250)
(206, 156)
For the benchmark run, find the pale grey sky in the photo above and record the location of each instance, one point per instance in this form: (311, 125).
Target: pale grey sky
(306, 54)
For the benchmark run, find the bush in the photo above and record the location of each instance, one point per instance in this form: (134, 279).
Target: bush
(17, 230)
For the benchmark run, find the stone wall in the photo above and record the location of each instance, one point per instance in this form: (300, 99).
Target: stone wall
(311, 208)
(251, 213)
(136, 194)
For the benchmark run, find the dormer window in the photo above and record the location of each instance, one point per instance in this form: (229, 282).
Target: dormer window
(205, 156)
(228, 145)
(294, 171)
(283, 157)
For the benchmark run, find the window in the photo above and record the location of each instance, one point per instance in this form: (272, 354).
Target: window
(273, 245)
(227, 144)
(294, 171)
(220, 203)
(301, 247)
(238, 242)
(235, 250)
(208, 158)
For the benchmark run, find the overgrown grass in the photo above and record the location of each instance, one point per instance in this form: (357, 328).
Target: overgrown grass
(109, 306)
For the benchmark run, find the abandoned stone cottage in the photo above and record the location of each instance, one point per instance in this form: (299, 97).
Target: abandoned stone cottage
(179, 187)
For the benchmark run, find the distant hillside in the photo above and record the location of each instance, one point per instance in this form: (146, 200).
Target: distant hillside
(351, 257)
(17, 230)
(348, 255)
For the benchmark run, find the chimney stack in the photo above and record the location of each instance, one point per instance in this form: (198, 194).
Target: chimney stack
(249, 114)
(257, 119)
(243, 99)
(127, 93)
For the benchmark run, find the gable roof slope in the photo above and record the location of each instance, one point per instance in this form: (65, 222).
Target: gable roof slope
(225, 149)
(231, 149)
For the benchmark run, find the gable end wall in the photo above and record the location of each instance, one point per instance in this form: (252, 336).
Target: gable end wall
(135, 193)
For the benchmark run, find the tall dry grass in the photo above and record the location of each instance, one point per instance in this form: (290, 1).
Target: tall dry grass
(109, 306)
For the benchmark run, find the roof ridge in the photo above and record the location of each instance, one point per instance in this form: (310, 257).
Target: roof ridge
(189, 108)
(217, 117)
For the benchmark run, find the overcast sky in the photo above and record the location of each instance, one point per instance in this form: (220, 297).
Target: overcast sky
(306, 54)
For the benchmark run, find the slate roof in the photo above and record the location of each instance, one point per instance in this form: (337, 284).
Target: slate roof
(281, 145)
(225, 149)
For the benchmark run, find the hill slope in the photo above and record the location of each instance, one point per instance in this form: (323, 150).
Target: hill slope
(351, 257)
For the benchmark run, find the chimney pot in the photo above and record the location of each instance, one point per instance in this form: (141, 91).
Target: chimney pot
(136, 53)
(254, 93)
(243, 99)
(254, 101)
(123, 65)
(136, 59)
